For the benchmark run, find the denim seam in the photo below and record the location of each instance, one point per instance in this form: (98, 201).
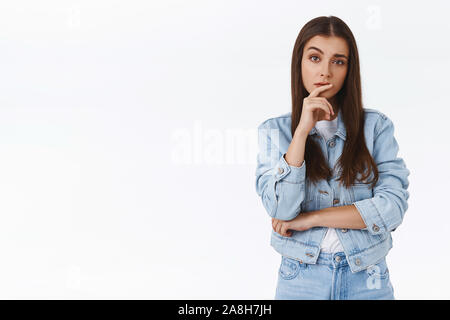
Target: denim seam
(368, 248)
(381, 217)
(286, 181)
(377, 126)
(287, 240)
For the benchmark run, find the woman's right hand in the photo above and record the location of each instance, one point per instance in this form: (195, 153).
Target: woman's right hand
(314, 109)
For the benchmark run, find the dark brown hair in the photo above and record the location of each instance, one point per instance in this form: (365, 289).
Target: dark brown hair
(355, 157)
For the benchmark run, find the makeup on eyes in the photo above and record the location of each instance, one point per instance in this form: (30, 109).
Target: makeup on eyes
(336, 55)
(314, 55)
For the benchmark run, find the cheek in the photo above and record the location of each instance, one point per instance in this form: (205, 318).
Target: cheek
(307, 75)
(307, 70)
(342, 75)
(340, 79)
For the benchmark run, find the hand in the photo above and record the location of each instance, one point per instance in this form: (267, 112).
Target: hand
(302, 222)
(315, 109)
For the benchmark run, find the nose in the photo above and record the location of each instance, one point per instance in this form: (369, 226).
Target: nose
(325, 72)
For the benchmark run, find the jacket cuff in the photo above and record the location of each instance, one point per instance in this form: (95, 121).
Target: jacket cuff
(371, 216)
(292, 174)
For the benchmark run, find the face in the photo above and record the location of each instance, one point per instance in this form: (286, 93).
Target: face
(326, 62)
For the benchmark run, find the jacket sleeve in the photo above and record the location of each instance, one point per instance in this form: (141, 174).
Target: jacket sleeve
(384, 212)
(280, 186)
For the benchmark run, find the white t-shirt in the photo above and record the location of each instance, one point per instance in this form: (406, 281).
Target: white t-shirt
(331, 242)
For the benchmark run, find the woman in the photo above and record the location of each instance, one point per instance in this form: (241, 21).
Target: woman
(329, 176)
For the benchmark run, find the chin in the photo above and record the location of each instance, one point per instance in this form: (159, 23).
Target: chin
(327, 95)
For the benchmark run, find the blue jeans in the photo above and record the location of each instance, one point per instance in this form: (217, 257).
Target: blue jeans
(331, 279)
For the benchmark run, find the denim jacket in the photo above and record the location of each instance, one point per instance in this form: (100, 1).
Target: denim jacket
(286, 192)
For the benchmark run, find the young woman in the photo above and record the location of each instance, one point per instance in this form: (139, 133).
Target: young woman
(329, 176)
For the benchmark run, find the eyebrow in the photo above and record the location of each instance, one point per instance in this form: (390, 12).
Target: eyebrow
(337, 55)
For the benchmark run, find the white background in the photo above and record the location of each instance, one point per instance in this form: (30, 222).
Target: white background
(128, 142)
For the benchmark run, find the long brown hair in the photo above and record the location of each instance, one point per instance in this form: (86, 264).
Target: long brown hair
(355, 157)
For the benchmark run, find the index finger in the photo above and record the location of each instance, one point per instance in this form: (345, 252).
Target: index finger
(318, 90)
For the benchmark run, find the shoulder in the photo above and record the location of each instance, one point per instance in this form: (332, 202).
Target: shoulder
(377, 119)
(283, 120)
(374, 113)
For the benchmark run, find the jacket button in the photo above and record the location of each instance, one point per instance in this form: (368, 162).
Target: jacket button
(280, 170)
(357, 261)
(323, 191)
(375, 228)
(332, 144)
(310, 255)
(344, 230)
(335, 201)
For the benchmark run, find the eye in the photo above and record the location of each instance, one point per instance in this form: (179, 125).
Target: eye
(339, 62)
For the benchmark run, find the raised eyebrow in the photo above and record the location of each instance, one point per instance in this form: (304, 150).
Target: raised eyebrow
(337, 55)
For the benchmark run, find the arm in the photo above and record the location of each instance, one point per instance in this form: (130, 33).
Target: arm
(280, 178)
(383, 212)
(334, 217)
(280, 183)
(337, 217)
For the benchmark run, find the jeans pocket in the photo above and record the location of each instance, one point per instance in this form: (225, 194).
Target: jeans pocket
(290, 268)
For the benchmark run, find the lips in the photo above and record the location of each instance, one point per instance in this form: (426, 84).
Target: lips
(321, 83)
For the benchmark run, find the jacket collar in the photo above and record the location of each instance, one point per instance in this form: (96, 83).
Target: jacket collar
(341, 131)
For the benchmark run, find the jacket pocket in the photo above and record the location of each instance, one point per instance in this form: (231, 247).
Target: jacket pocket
(290, 268)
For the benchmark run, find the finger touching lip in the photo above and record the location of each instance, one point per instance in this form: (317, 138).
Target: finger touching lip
(321, 84)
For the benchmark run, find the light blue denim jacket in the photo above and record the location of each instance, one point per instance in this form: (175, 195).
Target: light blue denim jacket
(286, 193)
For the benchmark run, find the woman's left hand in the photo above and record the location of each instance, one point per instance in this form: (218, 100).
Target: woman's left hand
(300, 223)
